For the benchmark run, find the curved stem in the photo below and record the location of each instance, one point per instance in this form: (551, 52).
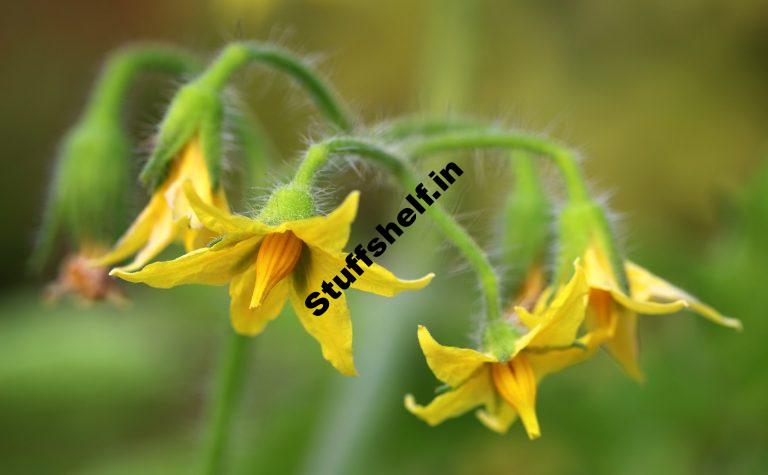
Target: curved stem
(319, 154)
(411, 127)
(109, 95)
(229, 381)
(562, 157)
(238, 54)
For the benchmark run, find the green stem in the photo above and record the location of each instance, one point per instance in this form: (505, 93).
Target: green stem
(410, 127)
(319, 154)
(229, 382)
(110, 91)
(238, 54)
(562, 157)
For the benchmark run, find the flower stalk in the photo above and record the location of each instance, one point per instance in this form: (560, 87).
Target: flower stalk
(87, 195)
(563, 158)
(239, 54)
(229, 384)
(320, 153)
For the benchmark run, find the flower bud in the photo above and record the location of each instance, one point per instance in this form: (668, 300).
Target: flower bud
(87, 196)
(527, 223)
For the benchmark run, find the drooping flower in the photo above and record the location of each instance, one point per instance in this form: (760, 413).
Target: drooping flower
(86, 208)
(168, 216)
(614, 311)
(506, 387)
(267, 264)
(618, 289)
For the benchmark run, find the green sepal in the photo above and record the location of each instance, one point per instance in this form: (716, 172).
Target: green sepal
(499, 339)
(194, 106)
(527, 228)
(289, 202)
(211, 132)
(87, 198)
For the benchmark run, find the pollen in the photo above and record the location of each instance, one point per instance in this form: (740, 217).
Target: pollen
(277, 256)
(516, 383)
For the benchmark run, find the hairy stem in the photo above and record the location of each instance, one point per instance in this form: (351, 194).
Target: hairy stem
(110, 91)
(319, 154)
(237, 55)
(563, 158)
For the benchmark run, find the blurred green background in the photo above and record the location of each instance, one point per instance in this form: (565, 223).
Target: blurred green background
(667, 100)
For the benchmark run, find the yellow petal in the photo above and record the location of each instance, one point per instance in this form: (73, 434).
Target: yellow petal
(499, 418)
(646, 287)
(251, 321)
(533, 317)
(563, 316)
(212, 266)
(197, 238)
(476, 391)
(451, 365)
(219, 220)
(554, 360)
(516, 383)
(329, 232)
(598, 269)
(543, 300)
(138, 233)
(600, 276)
(162, 236)
(187, 167)
(333, 329)
(378, 280)
(623, 345)
(647, 308)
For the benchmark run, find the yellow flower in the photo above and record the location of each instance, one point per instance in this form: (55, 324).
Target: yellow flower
(267, 264)
(507, 389)
(168, 216)
(612, 314)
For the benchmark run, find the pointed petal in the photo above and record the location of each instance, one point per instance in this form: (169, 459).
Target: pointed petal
(138, 234)
(162, 236)
(374, 279)
(647, 307)
(516, 382)
(378, 280)
(552, 361)
(333, 329)
(647, 287)
(218, 220)
(211, 266)
(498, 418)
(623, 345)
(565, 314)
(331, 231)
(601, 276)
(474, 392)
(451, 365)
(251, 321)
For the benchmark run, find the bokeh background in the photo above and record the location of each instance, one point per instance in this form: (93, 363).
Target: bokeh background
(666, 100)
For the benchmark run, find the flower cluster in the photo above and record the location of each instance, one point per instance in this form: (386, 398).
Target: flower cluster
(536, 322)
